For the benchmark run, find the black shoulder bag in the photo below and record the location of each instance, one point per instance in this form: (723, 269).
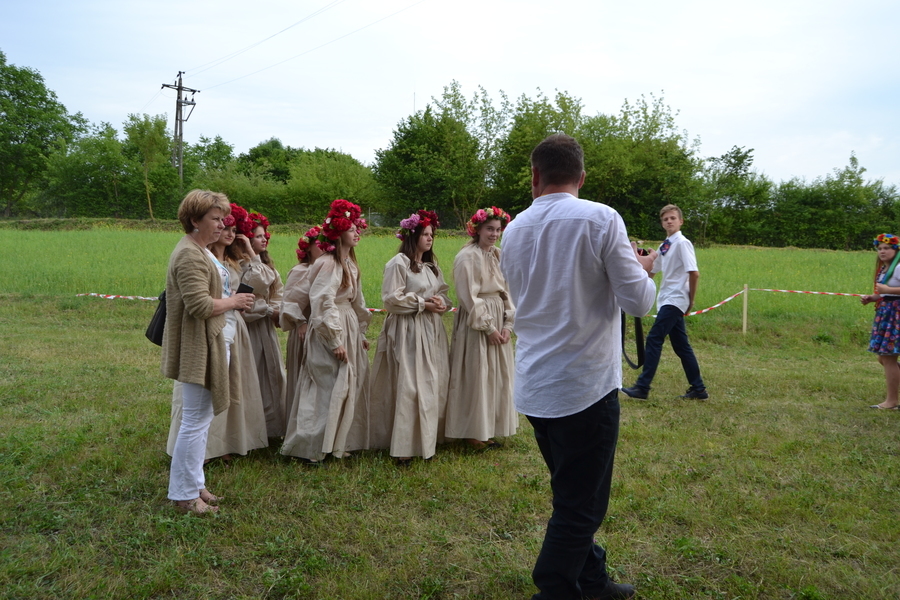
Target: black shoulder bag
(158, 322)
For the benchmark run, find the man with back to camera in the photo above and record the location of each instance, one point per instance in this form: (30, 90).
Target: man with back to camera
(678, 264)
(570, 267)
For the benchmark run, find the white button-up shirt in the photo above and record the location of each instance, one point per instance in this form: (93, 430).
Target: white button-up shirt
(675, 265)
(570, 267)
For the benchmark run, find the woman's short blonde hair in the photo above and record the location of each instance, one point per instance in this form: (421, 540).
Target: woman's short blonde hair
(199, 202)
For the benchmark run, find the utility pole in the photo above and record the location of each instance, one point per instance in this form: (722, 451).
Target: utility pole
(178, 148)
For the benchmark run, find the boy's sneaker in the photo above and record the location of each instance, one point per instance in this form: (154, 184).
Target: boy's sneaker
(615, 591)
(635, 392)
(695, 394)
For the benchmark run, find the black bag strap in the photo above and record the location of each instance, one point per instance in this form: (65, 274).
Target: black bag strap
(638, 341)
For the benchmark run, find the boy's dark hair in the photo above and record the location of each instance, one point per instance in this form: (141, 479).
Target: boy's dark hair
(559, 159)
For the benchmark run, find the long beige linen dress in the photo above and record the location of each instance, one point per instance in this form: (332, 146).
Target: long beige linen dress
(331, 411)
(411, 369)
(242, 427)
(267, 288)
(294, 314)
(480, 399)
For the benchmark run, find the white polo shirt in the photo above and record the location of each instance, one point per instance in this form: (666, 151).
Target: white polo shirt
(675, 264)
(570, 267)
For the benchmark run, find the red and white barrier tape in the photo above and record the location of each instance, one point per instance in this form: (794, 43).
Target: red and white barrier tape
(696, 312)
(114, 296)
(804, 292)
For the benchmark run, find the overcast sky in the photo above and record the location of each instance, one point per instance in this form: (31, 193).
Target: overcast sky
(804, 83)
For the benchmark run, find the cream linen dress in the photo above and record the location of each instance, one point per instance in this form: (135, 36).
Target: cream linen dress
(412, 363)
(267, 288)
(242, 427)
(294, 313)
(480, 398)
(331, 410)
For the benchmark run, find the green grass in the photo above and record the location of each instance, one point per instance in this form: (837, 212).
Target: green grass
(781, 486)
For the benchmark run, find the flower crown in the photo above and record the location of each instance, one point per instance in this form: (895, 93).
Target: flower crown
(486, 214)
(305, 241)
(235, 217)
(887, 238)
(342, 215)
(259, 220)
(420, 218)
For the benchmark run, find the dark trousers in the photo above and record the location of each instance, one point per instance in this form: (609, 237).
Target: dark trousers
(579, 451)
(669, 322)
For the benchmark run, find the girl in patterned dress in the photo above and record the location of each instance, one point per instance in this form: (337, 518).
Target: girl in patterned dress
(885, 341)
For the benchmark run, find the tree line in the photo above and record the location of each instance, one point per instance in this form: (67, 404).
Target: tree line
(457, 154)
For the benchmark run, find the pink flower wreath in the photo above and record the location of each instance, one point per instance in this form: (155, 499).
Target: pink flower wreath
(486, 214)
(420, 218)
(305, 241)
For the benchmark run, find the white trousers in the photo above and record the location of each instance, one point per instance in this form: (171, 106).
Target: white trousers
(186, 477)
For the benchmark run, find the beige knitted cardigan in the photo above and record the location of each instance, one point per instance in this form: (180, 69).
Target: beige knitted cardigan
(193, 348)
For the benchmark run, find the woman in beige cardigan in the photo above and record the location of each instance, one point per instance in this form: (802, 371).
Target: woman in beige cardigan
(200, 326)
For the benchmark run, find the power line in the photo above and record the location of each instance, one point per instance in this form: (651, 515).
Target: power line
(214, 63)
(317, 47)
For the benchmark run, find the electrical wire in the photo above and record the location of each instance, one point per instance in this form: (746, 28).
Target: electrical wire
(317, 47)
(214, 63)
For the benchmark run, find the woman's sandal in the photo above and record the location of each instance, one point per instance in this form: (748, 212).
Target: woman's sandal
(195, 506)
(209, 497)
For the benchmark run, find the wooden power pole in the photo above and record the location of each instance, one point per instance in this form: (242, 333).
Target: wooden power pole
(178, 148)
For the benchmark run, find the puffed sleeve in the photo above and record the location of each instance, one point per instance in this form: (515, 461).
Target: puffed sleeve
(276, 294)
(509, 309)
(260, 277)
(359, 307)
(467, 275)
(295, 304)
(443, 288)
(393, 288)
(325, 279)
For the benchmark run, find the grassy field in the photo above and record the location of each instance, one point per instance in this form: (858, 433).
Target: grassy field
(781, 486)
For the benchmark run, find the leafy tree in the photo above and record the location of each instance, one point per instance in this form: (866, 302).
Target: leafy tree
(432, 162)
(532, 121)
(32, 121)
(732, 206)
(319, 176)
(86, 177)
(148, 138)
(211, 154)
(270, 157)
(638, 161)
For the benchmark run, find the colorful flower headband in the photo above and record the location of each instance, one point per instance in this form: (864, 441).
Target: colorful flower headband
(486, 214)
(305, 241)
(259, 220)
(887, 238)
(236, 215)
(420, 218)
(342, 215)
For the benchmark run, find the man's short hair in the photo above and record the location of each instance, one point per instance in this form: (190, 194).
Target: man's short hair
(559, 160)
(670, 208)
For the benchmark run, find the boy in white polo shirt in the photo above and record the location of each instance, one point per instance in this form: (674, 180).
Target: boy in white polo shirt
(678, 264)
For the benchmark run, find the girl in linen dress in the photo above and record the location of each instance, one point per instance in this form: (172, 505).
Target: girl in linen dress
(480, 399)
(331, 412)
(412, 363)
(242, 427)
(295, 310)
(260, 274)
(885, 340)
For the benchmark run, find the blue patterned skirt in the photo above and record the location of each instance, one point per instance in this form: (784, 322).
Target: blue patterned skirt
(886, 328)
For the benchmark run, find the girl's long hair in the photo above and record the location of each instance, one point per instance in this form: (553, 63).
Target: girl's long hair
(347, 277)
(408, 247)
